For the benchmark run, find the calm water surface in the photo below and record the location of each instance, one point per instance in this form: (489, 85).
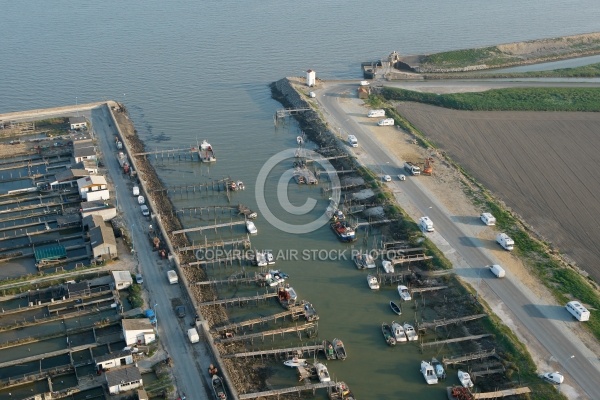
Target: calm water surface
(194, 70)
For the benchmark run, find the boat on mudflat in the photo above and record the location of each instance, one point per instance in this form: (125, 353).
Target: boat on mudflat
(344, 231)
(340, 350)
(388, 335)
(397, 309)
(218, 387)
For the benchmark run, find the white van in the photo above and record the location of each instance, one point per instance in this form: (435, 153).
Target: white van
(136, 191)
(352, 141)
(312, 95)
(426, 224)
(497, 270)
(488, 219)
(376, 113)
(145, 210)
(578, 311)
(386, 122)
(193, 335)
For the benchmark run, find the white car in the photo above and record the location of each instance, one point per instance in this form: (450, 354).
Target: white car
(387, 178)
(402, 177)
(364, 83)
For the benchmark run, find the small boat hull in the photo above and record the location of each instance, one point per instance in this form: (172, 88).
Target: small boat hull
(295, 362)
(388, 334)
(395, 308)
(340, 350)
(428, 373)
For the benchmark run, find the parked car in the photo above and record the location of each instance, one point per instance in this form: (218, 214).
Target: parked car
(387, 178)
(180, 311)
(139, 279)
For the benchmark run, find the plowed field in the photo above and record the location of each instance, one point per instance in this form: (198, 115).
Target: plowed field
(543, 165)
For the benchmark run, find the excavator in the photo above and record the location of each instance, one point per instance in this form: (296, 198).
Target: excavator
(428, 166)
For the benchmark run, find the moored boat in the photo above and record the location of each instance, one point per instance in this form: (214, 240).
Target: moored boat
(359, 261)
(398, 331)
(411, 334)
(310, 313)
(459, 393)
(341, 391)
(396, 308)
(369, 261)
(141, 200)
(388, 267)
(279, 273)
(329, 350)
(344, 231)
(218, 387)
(465, 379)
(340, 350)
(388, 335)
(287, 296)
(206, 152)
(251, 228)
(439, 368)
(295, 362)
(428, 373)
(373, 282)
(270, 257)
(260, 259)
(404, 293)
(322, 372)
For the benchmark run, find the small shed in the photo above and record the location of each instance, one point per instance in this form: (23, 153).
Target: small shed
(123, 379)
(138, 331)
(122, 279)
(114, 359)
(84, 151)
(77, 123)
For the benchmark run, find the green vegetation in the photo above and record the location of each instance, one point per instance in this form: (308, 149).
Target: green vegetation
(491, 56)
(135, 296)
(515, 99)
(586, 71)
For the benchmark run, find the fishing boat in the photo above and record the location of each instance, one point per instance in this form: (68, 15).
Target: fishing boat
(369, 261)
(295, 362)
(310, 313)
(373, 282)
(251, 228)
(396, 308)
(404, 293)
(279, 273)
(270, 257)
(388, 335)
(411, 334)
(287, 296)
(341, 391)
(388, 267)
(141, 200)
(465, 379)
(274, 280)
(359, 261)
(553, 377)
(344, 231)
(439, 368)
(340, 350)
(398, 331)
(329, 350)
(260, 259)
(206, 152)
(299, 139)
(218, 387)
(322, 372)
(338, 215)
(428, 373)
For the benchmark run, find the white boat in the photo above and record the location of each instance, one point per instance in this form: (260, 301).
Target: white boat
(404, 293)
(281, 274)
(553, 377)
(299, 139)
(411, 334)
(369, 261)
(439, 368)
(465, 379)
(388, 267)
(251, 228)
(206, 152)
(359, 261)
(141, 200)
(398, 331)
(260, 259)
(287, 296)
(295, 362)
(270, 257)
(428, 373)
(274, 280)
(322, 372)
(373, 282)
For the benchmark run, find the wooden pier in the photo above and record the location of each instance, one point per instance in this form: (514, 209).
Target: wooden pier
(298, 329)
(294, 312)
(239, 300)
(310, 350)
(287, 112)
(215, 227)
(468, 357)
(444, 322)
(410, 258)
(376, 222)
(228, 281)
(244, 242)
(294, 389)
(488, 372)
(427, 289)
(455, 340)
(502, 393)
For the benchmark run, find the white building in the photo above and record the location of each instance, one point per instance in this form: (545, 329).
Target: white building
(311, 78)
(112, 360)
(123, 379)
(122, 279)
(77, 123)
(138, 331)
(93, 187)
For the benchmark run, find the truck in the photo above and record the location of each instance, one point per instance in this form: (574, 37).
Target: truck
(505, 241)
(386, 122)
(376, 113)
(193, 335)
(352, 141)
(173, 278)
(426, 224)
(412, 168)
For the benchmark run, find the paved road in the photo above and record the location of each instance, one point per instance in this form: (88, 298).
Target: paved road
(546, 327)
(172, 330)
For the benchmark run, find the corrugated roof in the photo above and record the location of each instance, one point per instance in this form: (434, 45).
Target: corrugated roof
(138, 324)
(50, 253)
(126, 374)
(113, 355)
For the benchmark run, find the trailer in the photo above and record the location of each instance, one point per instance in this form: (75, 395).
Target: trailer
(412, 168)
(488, 219)
(505, 241)
(376, 113)
(386, 122)
(173, 278)
(426, 224)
